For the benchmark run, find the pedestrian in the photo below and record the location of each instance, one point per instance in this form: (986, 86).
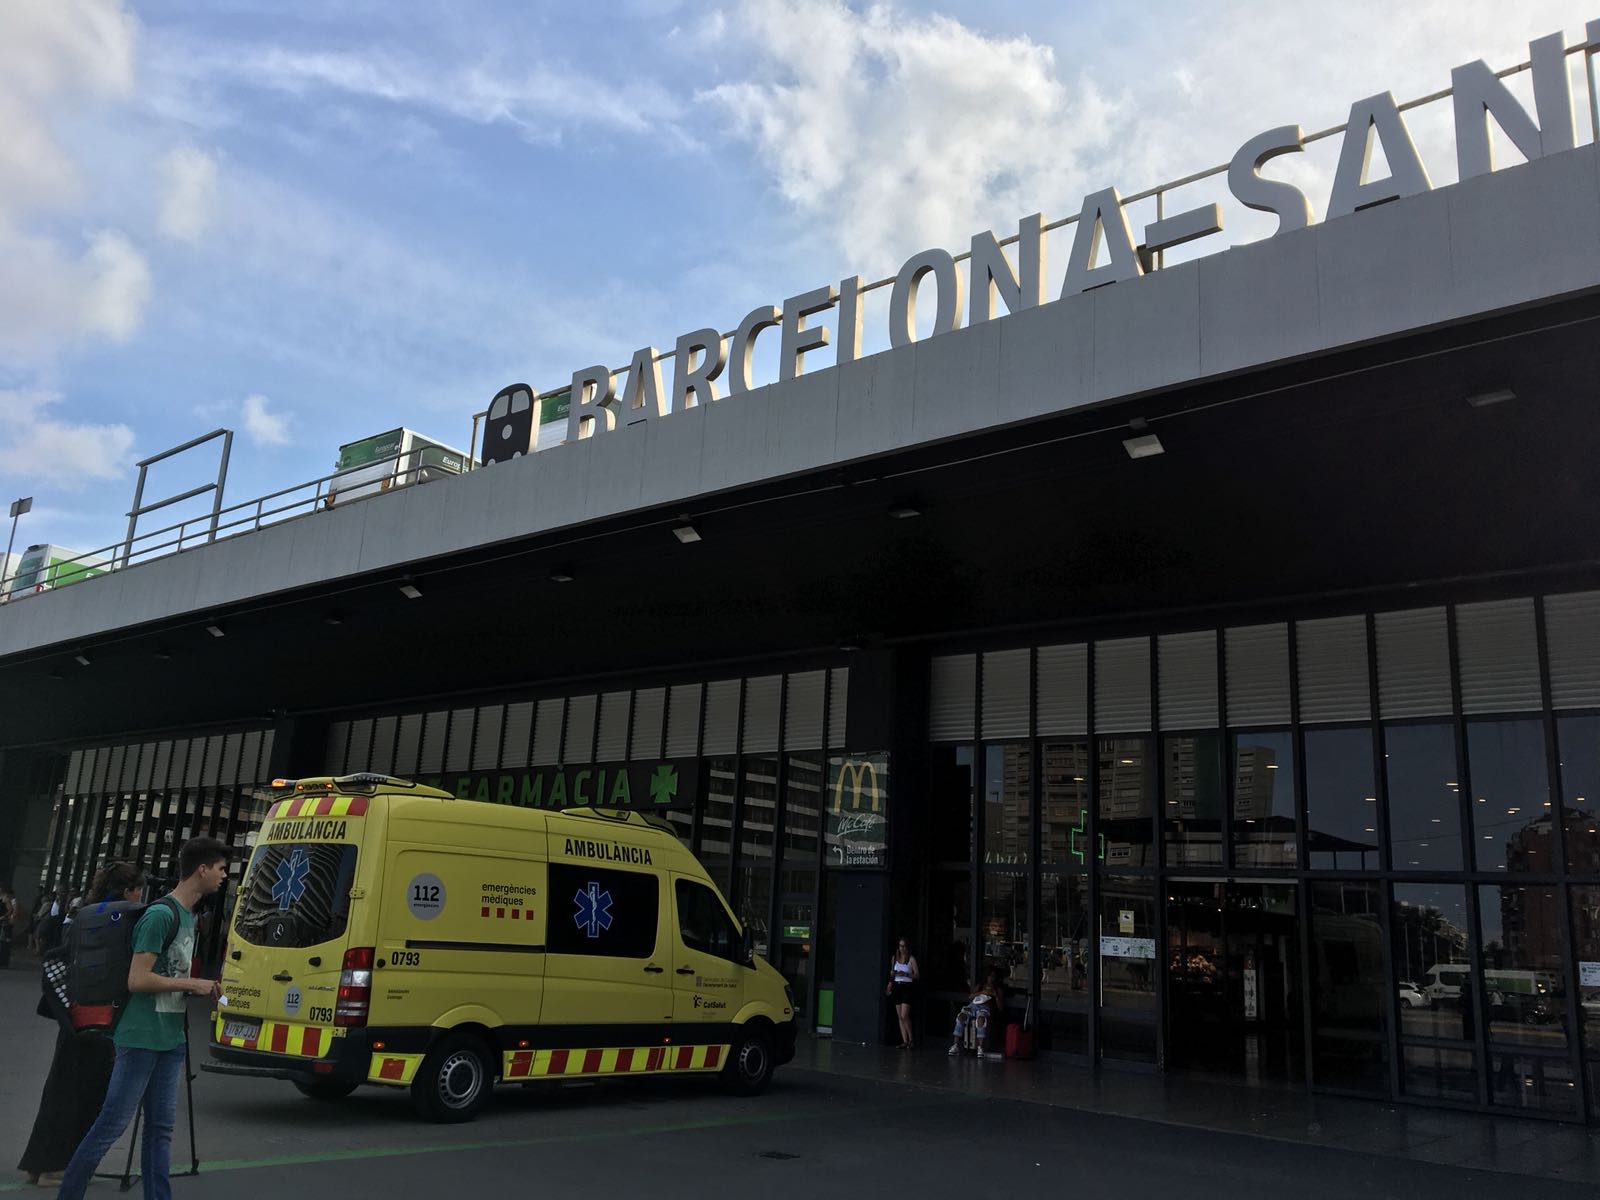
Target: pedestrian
(75, 1088)
(21, 919)
(41, 911)
(8, 910)
(984, 1001)
(50, 925)
(150, 1037)
(903, 978)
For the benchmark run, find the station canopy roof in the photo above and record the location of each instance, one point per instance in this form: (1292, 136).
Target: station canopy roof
(1324, 485)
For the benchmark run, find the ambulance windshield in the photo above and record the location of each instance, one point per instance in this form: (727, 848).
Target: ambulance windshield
(296, 894)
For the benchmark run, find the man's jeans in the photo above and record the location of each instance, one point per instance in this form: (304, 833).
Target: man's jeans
(148, 1075)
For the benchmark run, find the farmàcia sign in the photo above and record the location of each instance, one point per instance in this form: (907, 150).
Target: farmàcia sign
(703, 360)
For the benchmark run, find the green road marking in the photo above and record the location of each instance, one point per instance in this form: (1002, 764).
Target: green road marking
(291, 1160)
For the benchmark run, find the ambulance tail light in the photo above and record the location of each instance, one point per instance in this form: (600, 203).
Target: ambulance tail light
(355, 988)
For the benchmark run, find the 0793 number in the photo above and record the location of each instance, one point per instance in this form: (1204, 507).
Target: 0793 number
(405, 958)
(322, 1016)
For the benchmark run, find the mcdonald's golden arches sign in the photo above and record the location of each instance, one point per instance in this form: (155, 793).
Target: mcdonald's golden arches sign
(857, 827)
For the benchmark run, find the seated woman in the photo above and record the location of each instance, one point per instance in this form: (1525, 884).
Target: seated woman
(986, 999)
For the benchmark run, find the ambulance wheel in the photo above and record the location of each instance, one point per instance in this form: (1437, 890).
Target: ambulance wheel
(325, 1089)
(750, 1066)
(453, 1083)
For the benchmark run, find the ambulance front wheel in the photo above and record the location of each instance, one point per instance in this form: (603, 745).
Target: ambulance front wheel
(325, 1089)
(453, 1083)
(750, 1066)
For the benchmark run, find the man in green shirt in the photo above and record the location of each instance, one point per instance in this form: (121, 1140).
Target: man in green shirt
(150, 1034)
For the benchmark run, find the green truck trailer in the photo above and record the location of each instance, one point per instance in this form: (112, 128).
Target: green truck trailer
(394, 459)
(49, 566)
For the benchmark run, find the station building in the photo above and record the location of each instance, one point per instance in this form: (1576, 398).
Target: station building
(1215, 653)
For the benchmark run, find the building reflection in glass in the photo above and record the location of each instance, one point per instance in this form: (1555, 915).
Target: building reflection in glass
(1264, 801)
(1127, 802)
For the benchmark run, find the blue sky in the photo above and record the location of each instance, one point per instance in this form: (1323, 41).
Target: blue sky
(313, 222)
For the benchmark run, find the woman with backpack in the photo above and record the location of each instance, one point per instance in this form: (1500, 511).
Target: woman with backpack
(75, 1088)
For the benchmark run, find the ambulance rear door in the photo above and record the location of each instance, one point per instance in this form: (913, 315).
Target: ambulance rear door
(291, 928)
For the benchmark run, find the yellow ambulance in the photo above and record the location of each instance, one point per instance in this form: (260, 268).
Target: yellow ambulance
(389, 933)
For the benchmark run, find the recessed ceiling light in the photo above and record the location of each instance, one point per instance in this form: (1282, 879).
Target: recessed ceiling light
(560, 577)
(411, 591)
(216, 631)
(82, 659)
(162, 652)
(1485, 399)
(1146, 445)
(685, 532)
(904, 512)
(333, 619)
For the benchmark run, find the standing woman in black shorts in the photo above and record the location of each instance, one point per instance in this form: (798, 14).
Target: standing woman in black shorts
(903, 978)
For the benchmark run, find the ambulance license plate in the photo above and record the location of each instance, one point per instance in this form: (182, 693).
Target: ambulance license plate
(244, 1030)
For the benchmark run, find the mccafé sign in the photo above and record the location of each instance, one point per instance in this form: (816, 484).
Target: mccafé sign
(704, 365)
(857, 833)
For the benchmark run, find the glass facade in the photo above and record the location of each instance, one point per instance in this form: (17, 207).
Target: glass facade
(1338, 859)
(1356, 857)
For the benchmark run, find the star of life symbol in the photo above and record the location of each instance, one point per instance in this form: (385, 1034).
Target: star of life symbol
(291, 884)
(594, 910)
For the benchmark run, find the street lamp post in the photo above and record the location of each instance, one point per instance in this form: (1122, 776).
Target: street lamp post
(18, 507)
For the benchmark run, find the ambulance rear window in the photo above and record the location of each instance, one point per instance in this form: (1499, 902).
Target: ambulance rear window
(296, 894)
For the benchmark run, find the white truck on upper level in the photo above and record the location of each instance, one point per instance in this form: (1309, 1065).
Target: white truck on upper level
(394, 459)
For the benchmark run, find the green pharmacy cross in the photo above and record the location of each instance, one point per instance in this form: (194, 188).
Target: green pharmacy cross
(1082, 827)
(664, 784)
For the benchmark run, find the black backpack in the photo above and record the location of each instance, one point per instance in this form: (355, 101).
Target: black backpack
(99, 950)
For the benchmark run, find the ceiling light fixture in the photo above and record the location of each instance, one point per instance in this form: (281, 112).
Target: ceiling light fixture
(1485, 399)
(560, 577)
(162, 652)
(333, 618)
(410, 591)
(904, 512)
(216, 631)
(82, 658)
(685, 532)
(1144, 446)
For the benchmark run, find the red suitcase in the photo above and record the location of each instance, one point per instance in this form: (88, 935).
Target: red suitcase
(1019, 1042)
(1019, 1038)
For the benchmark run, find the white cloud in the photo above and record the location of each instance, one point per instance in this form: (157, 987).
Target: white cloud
(48, 297)
(189, 193)
(36, 445)
(908, 128)
(56, 56)
(540, 100)
(53, 55)
(264, 428)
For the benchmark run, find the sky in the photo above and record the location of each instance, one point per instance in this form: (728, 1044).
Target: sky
(309, 223)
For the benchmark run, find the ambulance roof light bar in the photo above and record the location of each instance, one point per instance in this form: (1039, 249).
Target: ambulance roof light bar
(360, 780)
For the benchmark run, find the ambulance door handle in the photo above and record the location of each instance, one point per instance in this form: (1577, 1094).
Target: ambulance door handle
(282, 977)
(685, 970)
(655, 970)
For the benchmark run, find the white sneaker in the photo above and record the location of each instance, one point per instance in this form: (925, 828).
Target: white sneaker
(954, 1050)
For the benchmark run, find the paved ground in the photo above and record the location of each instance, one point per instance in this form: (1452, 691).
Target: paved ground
(851, 1122)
